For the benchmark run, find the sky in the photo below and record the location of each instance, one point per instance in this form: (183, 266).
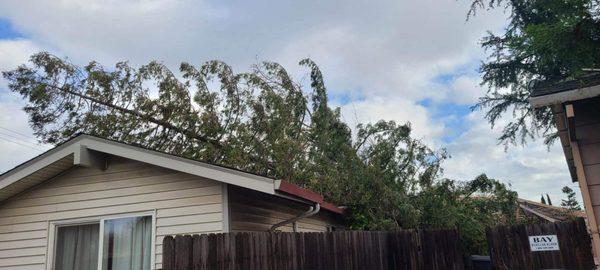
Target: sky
(408, 61)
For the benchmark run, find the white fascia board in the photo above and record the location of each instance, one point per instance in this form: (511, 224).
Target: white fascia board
(225, 175)
(81, 144)
(566, 96)
(39, 162)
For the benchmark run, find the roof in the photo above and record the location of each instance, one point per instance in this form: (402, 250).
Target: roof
(555, 95)
(86, 150)
(548, 212)
(294, 190)
(546, 93)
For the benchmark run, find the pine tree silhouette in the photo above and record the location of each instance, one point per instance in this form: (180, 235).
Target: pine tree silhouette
(543, 200)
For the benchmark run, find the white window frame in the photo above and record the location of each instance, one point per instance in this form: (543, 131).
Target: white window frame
(100, 220)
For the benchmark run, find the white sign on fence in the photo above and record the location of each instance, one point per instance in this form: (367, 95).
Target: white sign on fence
(543, 242)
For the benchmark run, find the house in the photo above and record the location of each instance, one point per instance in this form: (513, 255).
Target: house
(92, 201)
(547, 213)
(576, 109)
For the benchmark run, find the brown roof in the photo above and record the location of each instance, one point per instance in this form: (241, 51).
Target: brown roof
(548, 212)
(307, 194)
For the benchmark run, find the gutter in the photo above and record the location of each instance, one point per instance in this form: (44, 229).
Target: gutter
(312, 210)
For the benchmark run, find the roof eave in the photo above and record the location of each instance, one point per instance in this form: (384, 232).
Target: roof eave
(83, 148)
(565, 96)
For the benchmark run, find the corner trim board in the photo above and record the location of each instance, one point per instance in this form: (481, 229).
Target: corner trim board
(225, 208)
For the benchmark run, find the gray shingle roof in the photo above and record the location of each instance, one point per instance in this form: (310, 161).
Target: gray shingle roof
(542, 89)
(548, 212)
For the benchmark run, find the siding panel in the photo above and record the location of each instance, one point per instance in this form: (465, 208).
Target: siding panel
(22, 243)
(593, 174)
(15, 261)
(595, 194)
(588, 134)
(189, 219)
(183, 204)
(189, 210)
(590, 154)
(21, 252)
(170, 183)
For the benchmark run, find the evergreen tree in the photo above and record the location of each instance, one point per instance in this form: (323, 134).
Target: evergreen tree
(545, 41)
(548, 199)
(543, 199)
(571, 202)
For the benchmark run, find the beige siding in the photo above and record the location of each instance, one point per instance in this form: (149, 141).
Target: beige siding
(182, 203)
(587, 130)
(253, 211)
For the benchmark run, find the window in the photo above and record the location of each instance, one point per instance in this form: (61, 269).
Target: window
(77, 247)
(127, 243)
(108, 244)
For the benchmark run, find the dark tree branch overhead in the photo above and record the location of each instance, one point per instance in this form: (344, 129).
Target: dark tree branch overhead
(144, 117)
(547, 41)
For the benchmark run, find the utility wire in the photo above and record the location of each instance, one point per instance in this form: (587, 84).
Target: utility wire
(16, 132)
(21, 144)
(19, 139)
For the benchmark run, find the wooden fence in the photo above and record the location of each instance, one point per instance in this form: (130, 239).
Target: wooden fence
(509, 247)
(333, 250)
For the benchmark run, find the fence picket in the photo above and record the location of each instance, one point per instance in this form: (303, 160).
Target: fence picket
(332, 250)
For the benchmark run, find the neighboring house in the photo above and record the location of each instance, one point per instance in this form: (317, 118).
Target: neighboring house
(92, 201)
(547, 213)
(576, 108)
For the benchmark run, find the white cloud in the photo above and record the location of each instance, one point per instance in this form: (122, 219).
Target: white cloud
(388, 53)
(373, 109)
(14, 53)
(466, 89)
(463, 89)
(16, 142)
(532, 170)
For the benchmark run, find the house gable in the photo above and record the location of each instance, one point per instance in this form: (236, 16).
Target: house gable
(88, 151)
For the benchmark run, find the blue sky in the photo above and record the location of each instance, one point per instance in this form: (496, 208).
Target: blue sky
(7, 31)
(408, 61)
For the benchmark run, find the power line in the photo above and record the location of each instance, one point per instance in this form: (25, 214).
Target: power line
(19, 139)
(16, 132)
(24, 145)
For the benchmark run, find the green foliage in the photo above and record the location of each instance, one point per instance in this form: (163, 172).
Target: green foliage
(548, 199)
(470, 206)
(264, 122)
(543, 200)
(544, 41)
(571, 202)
